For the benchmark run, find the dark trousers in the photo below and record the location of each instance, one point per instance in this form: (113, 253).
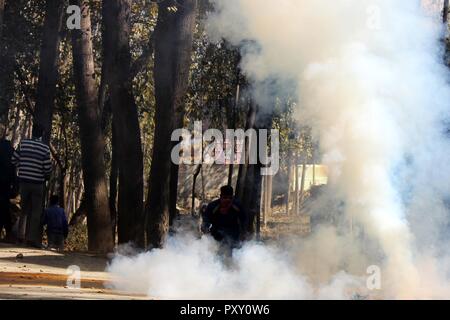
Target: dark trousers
(56, 241)
(5, 215)
(30, 224)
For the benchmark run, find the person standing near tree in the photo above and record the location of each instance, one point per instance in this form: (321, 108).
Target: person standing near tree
(7, 183)
(32, 159)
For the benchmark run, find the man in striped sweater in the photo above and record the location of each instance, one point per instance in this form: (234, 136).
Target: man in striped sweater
(32, 160)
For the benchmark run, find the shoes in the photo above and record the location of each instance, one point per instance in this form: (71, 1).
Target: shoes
(33, 244)
(8, 239)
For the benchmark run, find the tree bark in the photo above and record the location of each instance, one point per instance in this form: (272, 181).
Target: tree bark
(92, 140)
(445, 11)
(2, 11)
(268, 199)
(117, 19)
(249, 186)
(254, 179)
(289, 174)
(296, 204)
(252, 197)
(79, 215)
(250, 123)
(174, 171)
(113, 177)
(232, 125)
(173, 47)
(194, 182)
(7, 63)
(48, 70)
(173, 193)
(303, 180)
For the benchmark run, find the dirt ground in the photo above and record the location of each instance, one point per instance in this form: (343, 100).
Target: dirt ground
(43, 274)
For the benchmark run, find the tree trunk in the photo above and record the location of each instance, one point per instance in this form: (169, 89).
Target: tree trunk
(268, 199)
(194, 182)
(92, 140)
(296, 204)
(447, 37)
(445, 11)
(173, 193)
(232, 125)
(174, 170)
(314, 172)
(254, 181)
(303, 181)
(2, 11)
(79, 215)
(263, 199)
(6, 84)
(250, 123)
(173, 47)
(249, 186)
(48, 70)
(113, 177)
(117, 19)
(252, 197)
(289, 174)
(7, 63)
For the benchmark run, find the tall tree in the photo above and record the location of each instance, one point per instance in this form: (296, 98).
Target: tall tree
(445, 11)
(250, 124)
(113, 178)
(2, 11)
(6, 62)
(289, 174)
(48, 71)
(447, 40)
(92, 140)
(173, 47)
(117, 22)
(249, 182)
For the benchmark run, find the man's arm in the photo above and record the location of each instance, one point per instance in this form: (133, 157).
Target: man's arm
(47, 164)
(65, 225)
(207, 217)
(15, 159)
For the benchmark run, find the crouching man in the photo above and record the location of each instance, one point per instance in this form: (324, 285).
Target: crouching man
(225, 220)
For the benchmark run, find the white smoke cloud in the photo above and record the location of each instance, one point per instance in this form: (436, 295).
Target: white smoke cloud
(190, 268)
(370, 82)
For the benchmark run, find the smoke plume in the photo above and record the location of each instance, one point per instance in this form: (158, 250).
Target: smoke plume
(370, 82)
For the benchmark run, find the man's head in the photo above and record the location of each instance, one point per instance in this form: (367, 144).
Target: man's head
(54, 200)
(38, 131)
(226, 198)
(226, 193)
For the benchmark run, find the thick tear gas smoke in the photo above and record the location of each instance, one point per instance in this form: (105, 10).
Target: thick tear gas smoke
(370, 82)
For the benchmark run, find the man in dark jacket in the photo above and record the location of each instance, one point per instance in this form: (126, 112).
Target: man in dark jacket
(7, 183)
(57, 227)
(225, 219)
